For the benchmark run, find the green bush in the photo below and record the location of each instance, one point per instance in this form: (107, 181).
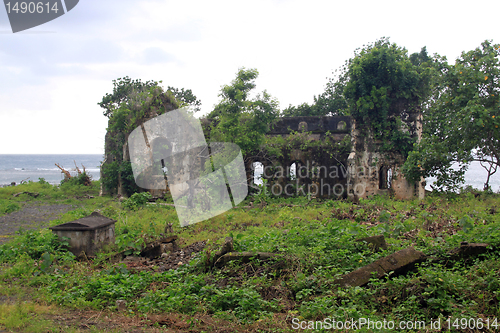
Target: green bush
(8, 207)
(34, 243)
(103, 288)
(137, 200)
(82, 179)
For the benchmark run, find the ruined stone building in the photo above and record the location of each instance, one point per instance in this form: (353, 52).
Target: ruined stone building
(314, 156)
(344, 162)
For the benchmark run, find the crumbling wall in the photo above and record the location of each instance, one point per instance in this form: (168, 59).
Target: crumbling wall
(372, 170)
(116, 172)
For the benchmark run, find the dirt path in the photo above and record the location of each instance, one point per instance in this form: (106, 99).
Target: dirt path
(30, 217)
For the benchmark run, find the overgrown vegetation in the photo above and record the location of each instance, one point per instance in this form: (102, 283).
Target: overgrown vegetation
(384, 89)
(239, 119)
(315, 243)
(461, 122)
(131, 103)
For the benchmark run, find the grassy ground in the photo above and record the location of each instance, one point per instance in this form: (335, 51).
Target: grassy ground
(44, 289)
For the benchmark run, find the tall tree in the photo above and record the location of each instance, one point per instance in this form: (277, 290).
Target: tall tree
(241, 120)
(383, 89)
(333, 100)
(131, 103)
(462, 123)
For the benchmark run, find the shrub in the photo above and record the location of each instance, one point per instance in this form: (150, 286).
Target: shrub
(137, 200)
(34, 243)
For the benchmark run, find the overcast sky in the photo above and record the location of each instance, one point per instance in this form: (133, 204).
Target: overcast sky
(52, 76)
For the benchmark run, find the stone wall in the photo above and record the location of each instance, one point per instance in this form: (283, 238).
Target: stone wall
(374, 171)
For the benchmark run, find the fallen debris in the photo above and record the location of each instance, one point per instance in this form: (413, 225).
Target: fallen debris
(169, 229)
(121, 305)
(166, 261)
(84, 178)
(467, 250)
(67, 175)
(226, 248)
(158, 248)
(398, 262)
(32, 194)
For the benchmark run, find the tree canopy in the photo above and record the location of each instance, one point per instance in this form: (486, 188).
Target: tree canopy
(130, 104)
(371, 85)
(125, 89)
(461, 124)
(239, 119)
(383, 88)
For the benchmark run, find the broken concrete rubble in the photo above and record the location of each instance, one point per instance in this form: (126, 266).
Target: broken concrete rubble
(403, 261)
(467, 250)
(166, 261)
(397, 262)
(159, 247)
(121, 305)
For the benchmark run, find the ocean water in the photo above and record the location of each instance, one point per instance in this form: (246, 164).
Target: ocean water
(16, 168)
(476, 177)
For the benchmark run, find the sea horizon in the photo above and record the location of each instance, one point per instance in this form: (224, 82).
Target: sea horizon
(31, 167)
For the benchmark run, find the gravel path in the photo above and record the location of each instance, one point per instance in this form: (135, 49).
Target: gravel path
(30, 217)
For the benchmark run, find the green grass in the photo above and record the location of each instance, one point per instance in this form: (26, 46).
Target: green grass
(315, 242)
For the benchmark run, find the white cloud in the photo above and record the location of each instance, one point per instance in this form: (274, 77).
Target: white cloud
(58, 78)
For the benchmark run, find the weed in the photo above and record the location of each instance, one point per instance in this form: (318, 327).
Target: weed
(316, 243)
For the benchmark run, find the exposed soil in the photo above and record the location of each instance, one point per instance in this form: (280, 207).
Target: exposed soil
(30, 217)
(112, 321)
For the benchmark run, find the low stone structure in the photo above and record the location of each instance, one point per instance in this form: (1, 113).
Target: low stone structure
(375, 171)
(87, 235)
(159, 247)
(367, 169)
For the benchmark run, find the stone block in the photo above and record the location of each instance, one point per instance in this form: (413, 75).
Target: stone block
(397, 262)
(157, 248)
(88, 234)
(467, 250)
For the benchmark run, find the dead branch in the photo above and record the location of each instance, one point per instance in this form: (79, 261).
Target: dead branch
(67, 175)
(77, 169)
